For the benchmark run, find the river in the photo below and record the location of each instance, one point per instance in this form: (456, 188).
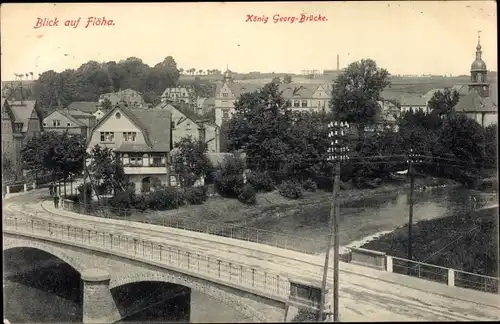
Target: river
(52, 294)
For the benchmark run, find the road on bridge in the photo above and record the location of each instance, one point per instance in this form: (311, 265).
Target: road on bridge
(363, 297)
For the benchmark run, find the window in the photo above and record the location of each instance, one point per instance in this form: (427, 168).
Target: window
(225, 114)
(129, 136)
(188, 126)
(44, 124)
(157, 160)
(304, 103)
(288, 103)
(56, 123)
(118, 115)
(225, 94)
(173, 124)
(18, 127)
(296, 103)
(107, 137)
(68, 124)
(173, 181)
(136, 159)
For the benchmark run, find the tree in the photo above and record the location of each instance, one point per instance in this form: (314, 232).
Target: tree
(287, 79)
(259, 126)
(442, 103)
(356, 91)
(106, 105)
(106, 172)
(58, 153)
(191, 161)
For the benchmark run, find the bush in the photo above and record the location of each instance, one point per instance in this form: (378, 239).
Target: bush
(88, 192)
(196, 195)
(291, 190)
(247, 195)
(309, 185)
(122, 201)
(141, 202)
(16, 188)
(261, 181)
(228, 180)
(165, 198)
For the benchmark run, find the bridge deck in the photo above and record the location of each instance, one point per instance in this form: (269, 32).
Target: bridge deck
(365, 294)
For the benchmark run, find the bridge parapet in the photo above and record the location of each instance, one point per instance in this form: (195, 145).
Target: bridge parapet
(257, 281)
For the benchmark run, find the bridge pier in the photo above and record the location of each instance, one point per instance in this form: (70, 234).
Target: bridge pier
(98, 303)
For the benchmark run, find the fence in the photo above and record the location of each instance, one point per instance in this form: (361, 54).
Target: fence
(448, 276)
(238, 232)
(174, 257)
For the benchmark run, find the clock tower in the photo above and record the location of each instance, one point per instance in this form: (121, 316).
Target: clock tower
(478, 73)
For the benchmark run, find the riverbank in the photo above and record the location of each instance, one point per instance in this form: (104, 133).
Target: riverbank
(461, 241)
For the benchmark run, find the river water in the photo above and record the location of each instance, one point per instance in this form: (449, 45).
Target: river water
(52, 294)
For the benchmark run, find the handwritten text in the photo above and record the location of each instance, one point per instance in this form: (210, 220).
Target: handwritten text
(74, 23)
(302, 18)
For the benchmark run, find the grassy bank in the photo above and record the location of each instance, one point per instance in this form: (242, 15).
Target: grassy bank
(462, 241)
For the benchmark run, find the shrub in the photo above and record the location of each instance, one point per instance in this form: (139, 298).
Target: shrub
(16, 188)
(141, 202)
(247, 195)
(122, 201)
(228, 180)
(290, 190)
(261, 181)
(309, 185)
(196, 195)
(87, 189)
(164, 198)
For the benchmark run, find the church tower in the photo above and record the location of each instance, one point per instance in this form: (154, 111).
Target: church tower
(478, 73)
(228, 76)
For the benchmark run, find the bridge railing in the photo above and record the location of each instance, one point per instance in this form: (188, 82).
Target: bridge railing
(240, 232)
(451, 277)
(174, 257)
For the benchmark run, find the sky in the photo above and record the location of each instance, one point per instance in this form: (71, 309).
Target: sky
(405, 37)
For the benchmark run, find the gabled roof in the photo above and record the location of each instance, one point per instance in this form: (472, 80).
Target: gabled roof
(155, 125)
(473, 102)
(88, 107)
(181, 107)
(462, 89)
(22, 111)
(69, 117)
(298, 90)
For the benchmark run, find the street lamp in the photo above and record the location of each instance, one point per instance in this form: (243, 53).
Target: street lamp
(337, 153)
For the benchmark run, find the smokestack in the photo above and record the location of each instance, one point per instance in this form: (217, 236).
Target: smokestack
(338, 63)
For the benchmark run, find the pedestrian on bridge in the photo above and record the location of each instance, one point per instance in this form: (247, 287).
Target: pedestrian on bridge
(56, 199)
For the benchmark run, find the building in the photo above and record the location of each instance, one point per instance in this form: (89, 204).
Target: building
(24, 120)
(140, 139)
(8, 145)
(413, 102)
(300, 96)
(179, 93)
(128, 97)
(89, 107)
(185, 123)
(71, 121)
(481, 101)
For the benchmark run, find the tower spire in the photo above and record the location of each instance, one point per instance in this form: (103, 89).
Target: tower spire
(478, 47)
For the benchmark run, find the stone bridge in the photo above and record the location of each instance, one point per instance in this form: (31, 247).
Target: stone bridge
(255, 279)
(102, 270)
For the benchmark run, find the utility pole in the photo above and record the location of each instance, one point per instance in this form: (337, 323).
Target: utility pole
(337, 153)
(412, 158)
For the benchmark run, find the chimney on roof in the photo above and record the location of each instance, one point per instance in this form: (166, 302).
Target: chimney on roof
(338, 63)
